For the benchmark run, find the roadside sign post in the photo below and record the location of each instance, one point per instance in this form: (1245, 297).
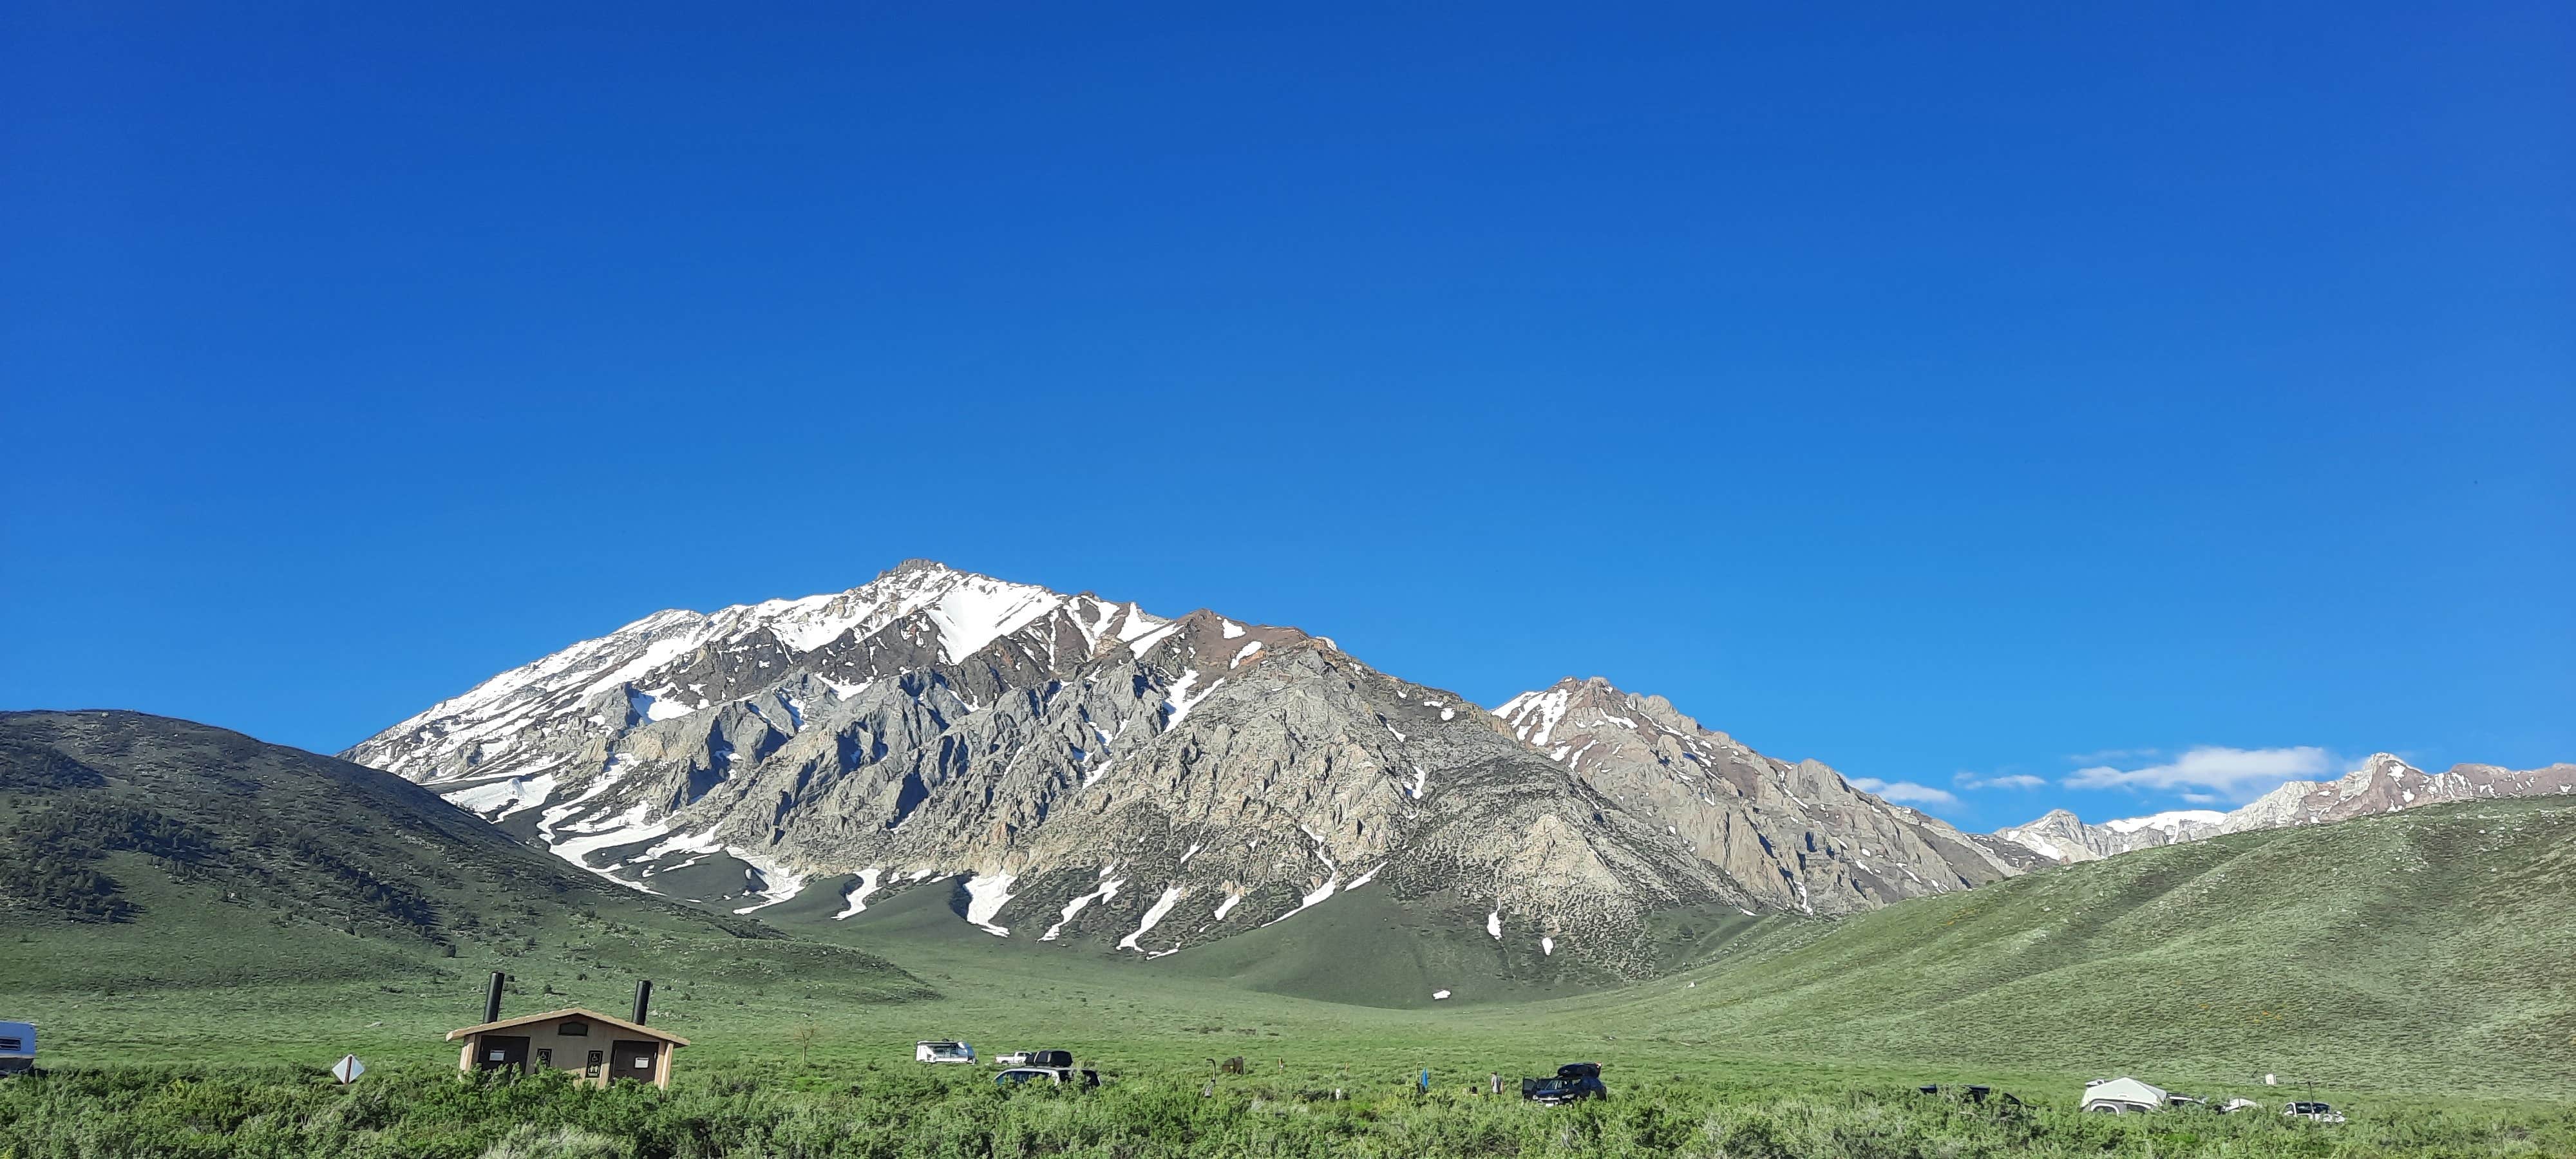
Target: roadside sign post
(348, 1069)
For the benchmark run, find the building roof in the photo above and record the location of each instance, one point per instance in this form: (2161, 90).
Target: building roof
(570, 1012)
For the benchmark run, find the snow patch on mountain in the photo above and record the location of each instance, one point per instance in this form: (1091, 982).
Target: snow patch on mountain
(1153, 915)
(1107, 889)
(986, 894)
(979, 611)
(856, 896)
(2171, 822)
(1310, 901)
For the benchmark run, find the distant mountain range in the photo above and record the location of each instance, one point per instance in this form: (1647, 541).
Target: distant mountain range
(2383, 784)
(1076, 769)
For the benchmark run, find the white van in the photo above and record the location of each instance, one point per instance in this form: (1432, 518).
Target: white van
(928, 1051)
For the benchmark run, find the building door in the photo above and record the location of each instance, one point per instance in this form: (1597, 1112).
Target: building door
(501, 1052)
(629, 1059)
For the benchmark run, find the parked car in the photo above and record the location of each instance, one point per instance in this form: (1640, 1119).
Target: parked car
(929, 1051)
(17, 1047)
(1057, 1058)
(1973, 1093)
(1057, 1075)
(2321, 1112)
(1574, 1081)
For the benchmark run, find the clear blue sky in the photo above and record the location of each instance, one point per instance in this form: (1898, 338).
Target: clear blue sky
(1930, 390)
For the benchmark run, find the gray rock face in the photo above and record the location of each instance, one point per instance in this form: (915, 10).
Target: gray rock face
(2383, 784)
(1795, 836)
(1088, 770)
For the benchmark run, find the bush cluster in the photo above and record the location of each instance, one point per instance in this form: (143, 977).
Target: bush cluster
(885, 1112)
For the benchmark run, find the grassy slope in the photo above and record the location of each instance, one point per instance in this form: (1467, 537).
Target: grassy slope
(2432, 950)
(251, 948)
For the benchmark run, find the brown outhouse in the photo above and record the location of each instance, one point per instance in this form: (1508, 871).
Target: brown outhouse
(593, 1046)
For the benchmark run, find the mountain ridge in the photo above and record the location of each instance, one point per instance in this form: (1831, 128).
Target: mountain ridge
(1079, 769)
(2383, 783)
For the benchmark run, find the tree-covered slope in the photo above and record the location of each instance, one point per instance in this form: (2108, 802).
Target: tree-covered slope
(2434, 949)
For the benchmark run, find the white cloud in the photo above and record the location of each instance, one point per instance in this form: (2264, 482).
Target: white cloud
(2221, 772)
(2004, 781)
(2106, 756)
(1904, 791)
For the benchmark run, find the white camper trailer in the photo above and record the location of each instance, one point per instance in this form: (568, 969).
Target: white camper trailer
(2123, 1096)
(17, 1047)
(942, 1051)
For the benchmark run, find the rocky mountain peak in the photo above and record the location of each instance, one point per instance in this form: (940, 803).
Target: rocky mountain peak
(1075, 767)
(1798, 835)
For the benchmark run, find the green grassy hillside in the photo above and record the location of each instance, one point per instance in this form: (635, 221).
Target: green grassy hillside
(2433, 949)
(170, 890)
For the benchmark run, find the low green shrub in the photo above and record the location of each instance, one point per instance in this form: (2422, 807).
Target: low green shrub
(895, 1112)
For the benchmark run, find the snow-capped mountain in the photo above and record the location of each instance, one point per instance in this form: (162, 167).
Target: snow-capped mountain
(1071, 767)
(1797, 836)
(2383, 784)
(2061, 837)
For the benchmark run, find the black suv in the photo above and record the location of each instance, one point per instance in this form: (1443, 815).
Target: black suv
(1573, 1082)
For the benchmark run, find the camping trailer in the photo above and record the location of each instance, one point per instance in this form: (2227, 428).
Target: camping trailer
(942, 1050)
(17, 1047)
(2123, 1096)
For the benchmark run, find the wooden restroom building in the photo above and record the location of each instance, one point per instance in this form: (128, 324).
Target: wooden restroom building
(594, 1047)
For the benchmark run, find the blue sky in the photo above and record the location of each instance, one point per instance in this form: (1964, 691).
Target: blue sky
(1964, 396)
